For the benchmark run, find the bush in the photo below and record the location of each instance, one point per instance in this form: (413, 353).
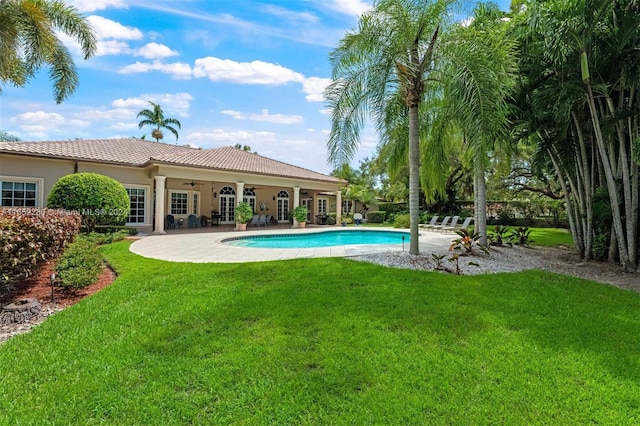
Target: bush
(376, 217)
(100, 199)
(402, 221)
(393, 207)
(29, 237)
(80, 265)
(99, 239)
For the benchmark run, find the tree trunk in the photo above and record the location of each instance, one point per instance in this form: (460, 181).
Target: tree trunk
(481, 212)
(414, 177)
(610, 180)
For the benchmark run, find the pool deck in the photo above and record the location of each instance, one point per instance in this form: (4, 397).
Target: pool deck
(208, 248)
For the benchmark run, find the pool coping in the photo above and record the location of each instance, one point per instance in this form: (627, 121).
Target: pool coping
(209, 248)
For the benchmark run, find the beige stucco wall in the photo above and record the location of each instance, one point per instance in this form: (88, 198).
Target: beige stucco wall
(49, 171)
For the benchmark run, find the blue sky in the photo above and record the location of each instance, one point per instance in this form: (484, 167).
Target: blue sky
(232, 71)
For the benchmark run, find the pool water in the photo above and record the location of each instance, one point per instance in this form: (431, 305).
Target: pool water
(320, 239)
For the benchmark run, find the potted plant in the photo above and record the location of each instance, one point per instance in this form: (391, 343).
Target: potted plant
(300, 215)
(243, 214)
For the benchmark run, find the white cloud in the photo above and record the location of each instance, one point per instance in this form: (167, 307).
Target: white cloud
(231, 137)
(289, 14)
(38, 124)
(178, 70)
(109, 114)
(350, 7)
(37, 118)
(171, 103)
(314, 88)
(264, 116)
(77, 123)
(124, 126)
(113, 47)
(93, 5)
(256, 72)
(155, 51)
(108, 29)
(325, 111)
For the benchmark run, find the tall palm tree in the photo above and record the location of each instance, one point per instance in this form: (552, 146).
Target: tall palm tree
(29, 40)
(421, 86)
(155, 117)
(386, 62)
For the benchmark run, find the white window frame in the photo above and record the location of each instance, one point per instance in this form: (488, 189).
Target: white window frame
(147, 203)
(323, 205)
(170, 207)
(195, 202)
(23, 179)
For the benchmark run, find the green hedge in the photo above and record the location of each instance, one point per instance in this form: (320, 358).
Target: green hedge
(376, 217)
(80, 265)
(29, 237)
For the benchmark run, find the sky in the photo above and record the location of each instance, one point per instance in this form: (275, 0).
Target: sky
(231, 71)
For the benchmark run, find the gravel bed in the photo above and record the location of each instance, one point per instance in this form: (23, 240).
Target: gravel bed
(499, 259)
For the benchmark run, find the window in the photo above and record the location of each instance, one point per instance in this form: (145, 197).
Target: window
(346, 206)
(322, 206)
(19, 194)
(137, 205)
(196, 203)
(249, 196)
(179, 203)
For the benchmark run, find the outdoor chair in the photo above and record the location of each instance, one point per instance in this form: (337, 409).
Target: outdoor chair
(192, 220)
(431, 223)
(171, 222)
(464, 225)
(255, 220)
(445, 222)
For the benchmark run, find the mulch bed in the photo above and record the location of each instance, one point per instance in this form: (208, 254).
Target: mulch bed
(38, 286)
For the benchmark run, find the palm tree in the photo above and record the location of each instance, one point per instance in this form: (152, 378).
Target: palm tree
(386, 62)
(155, 117)
(420, 86)
(29, 40)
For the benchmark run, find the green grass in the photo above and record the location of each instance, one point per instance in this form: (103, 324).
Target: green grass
(551, 237)
(328, 341)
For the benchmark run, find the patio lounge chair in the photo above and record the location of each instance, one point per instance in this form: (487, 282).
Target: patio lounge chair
(255, 220)
(171, 222)
(193, 221)
(431, 223)
(464, 225)
(453, 224)
(264, 220)
(445, 222)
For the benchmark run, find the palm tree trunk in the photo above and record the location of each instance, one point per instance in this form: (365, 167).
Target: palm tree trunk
(481, 211)
(609, 178)
(414, 177)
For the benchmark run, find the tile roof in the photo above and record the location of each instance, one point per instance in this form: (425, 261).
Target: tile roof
(139, 153)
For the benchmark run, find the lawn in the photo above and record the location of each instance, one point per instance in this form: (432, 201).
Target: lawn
(328, 341)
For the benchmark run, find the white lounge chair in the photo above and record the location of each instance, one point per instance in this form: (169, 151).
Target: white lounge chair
(464, 225)
(431, 223)
(445, 222)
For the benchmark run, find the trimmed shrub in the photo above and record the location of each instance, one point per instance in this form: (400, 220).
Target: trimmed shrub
(375, 217)
(402, 221)
(29, 237)
(393, 207)
(99, 238)
(100, 200)
(80, 265)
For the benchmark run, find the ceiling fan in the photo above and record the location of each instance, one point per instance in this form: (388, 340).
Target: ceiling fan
(252, 188)
(192, 183)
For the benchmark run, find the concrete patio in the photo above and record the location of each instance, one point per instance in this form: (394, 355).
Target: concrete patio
(203, 245)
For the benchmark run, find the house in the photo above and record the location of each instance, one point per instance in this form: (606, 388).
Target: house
(163, 179)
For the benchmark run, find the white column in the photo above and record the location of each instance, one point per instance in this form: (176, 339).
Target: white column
(239, 192)
(338, 207)
(160, 181)
(296, 203)
(239, 196)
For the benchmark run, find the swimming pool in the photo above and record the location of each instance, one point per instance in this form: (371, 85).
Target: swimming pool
(320, 239)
